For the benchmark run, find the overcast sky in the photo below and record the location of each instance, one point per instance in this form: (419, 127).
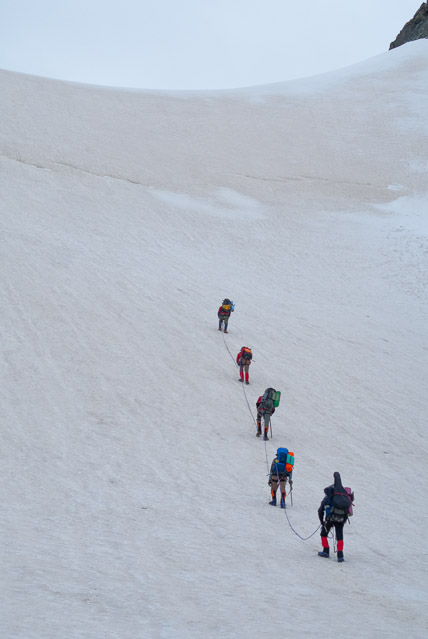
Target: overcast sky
(194, 44)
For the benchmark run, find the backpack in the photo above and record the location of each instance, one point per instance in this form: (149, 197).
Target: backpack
(282, 454)
(282, 467)
(246, 353)
(268, 400)
(351, 494)
(289, 465)
(229, 304)
(340, 506)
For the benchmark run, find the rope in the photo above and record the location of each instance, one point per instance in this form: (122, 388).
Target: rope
(285, 510)
(225, 343)
(287, 480)
(246, 399)
(295, 531)
(264, 441)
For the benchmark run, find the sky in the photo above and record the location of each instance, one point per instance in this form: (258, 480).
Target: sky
(194, 44)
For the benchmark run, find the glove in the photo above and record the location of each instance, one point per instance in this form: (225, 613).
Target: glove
(269, 482)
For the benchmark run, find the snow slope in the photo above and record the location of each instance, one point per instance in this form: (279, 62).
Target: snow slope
(133, 490)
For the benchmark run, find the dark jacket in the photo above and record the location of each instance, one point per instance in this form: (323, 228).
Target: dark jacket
(325, 502)
(240, 360)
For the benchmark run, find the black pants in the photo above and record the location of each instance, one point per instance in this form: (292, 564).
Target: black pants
(325, 529)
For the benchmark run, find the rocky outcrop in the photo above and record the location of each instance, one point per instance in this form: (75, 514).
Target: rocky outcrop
(415, 29)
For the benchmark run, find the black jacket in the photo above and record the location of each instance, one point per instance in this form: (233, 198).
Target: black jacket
(325, 502)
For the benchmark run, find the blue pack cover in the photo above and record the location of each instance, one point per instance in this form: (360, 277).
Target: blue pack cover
(280, 468)
(281, 454)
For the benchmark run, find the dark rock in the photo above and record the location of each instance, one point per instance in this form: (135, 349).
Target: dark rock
(415, 29)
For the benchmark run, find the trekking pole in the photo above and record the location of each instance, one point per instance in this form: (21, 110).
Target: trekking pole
(291, 494)
(270, 424)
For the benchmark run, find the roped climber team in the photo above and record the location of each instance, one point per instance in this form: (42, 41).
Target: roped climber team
(336, 506)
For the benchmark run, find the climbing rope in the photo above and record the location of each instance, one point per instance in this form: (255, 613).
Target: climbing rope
(228, 350)
(264, 441)
(285, 510)
(295, 531)
(246, 399)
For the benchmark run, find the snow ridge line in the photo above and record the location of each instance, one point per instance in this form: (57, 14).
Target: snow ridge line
(309, 178)
(52, 164)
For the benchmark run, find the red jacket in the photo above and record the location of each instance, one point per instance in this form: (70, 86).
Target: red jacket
(221, 311)
(238, 359)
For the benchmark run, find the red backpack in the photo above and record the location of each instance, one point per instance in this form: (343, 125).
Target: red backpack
(246, 353)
